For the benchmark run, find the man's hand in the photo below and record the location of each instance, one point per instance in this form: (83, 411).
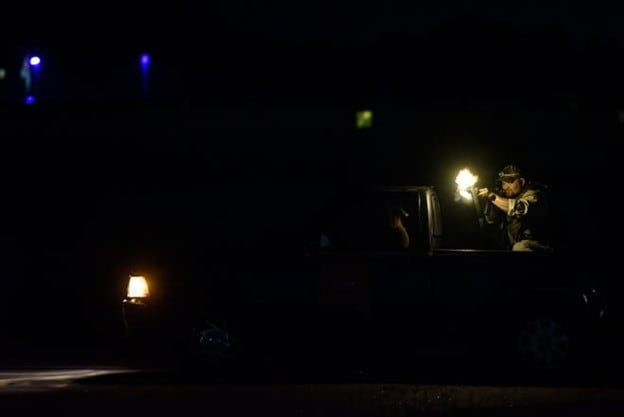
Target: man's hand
(483, 192)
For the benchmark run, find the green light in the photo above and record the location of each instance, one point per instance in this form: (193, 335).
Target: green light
(364, 119)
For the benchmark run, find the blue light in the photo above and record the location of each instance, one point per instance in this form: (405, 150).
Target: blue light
(35, 60)
(145, 60)
(30, 100)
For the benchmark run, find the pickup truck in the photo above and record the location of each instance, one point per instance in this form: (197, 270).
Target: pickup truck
(345, 291)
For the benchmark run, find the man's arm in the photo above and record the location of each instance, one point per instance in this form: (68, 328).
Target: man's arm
(503, 203)
(512, 206)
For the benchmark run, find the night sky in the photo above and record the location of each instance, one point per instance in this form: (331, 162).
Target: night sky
(384, 53)
(341, 21)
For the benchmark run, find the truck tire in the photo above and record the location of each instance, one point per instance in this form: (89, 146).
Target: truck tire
(543, 344)
(211, 345)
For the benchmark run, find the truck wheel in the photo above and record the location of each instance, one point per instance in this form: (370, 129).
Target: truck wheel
(543, 343)
(211, 345)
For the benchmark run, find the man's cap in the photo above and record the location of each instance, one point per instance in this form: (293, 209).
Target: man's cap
(510, 173)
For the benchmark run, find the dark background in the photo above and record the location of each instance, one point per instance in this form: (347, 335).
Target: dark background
(248, 121)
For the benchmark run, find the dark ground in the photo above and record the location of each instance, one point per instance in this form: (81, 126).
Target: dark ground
(83, 382)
